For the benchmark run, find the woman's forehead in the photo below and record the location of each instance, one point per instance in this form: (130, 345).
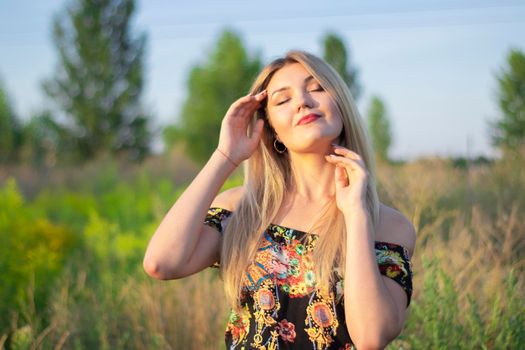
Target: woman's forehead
(290, 74)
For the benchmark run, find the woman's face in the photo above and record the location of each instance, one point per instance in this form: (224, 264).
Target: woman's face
(293, 94)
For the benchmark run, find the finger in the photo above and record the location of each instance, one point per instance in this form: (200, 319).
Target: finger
(241, 112)
(341, 179)
(256, 99)
(261, 96)
(243, 100)
(249, 99)
(332, 158)
(248, 110)
(348, 163)
(351, 155)
(257, 129)
(246, 107)
(346, 152)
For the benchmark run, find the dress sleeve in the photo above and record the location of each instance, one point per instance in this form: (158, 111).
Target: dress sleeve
(217, 218)
(394, 263)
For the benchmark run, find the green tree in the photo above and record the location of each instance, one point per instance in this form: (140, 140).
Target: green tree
(99, 80)
(212, 88)
(508, 133)
(44, 138)
(336, 54)
(10, 129)
(379, 128)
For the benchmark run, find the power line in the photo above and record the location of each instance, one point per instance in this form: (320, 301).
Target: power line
(186, 32)
(320, 14)
(263, 32)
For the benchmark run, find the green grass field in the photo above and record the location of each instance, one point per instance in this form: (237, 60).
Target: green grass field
(72, 243)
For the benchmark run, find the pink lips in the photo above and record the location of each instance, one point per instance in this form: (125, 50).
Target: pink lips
(308, 118)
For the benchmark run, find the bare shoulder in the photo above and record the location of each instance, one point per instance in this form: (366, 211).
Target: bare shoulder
(395, 227)
(228, 199)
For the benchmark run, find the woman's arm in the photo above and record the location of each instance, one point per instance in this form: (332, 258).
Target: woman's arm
(174, 241)
(181, 245)
(375, 305)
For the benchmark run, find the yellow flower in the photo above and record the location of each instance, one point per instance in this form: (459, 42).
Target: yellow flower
(391, 273)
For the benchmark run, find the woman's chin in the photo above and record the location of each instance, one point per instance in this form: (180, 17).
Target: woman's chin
(320, 146)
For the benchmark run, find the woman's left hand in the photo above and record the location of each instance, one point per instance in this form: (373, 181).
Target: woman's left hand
(351, 178)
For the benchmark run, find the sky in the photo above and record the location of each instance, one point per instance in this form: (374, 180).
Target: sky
(434, 63)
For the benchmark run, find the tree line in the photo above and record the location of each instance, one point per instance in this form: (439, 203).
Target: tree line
(97, 86)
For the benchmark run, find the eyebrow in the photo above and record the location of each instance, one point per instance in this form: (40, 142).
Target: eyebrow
(306, 80)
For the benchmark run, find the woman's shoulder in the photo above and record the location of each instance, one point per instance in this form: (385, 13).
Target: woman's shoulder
(228, 199)
(395, 227)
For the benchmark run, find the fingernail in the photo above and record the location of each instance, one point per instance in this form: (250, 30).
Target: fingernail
(261, 95)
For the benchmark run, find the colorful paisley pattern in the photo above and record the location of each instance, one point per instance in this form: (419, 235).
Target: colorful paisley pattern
(282, 308)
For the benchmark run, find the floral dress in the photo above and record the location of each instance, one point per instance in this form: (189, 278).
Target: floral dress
(281, 306)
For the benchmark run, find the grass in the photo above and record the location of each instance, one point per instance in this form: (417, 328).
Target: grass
(468, 264)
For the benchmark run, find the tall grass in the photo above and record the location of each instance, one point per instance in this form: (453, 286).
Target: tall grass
(469, 260)
(468, 264)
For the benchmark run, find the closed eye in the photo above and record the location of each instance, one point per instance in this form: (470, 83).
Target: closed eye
(317, 88)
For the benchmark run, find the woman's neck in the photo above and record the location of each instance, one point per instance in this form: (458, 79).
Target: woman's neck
(313, 177)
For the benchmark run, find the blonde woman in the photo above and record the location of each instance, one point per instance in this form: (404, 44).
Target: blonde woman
(309, 257)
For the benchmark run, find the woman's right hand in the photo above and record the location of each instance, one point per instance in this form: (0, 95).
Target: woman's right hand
(233, 139)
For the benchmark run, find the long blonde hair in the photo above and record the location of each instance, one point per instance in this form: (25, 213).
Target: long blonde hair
(267, 175)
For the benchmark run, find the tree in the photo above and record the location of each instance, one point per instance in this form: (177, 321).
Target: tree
(44, 138)
(379, 128)
(508, 133)
(336, 54)
(212, 88)
(10, 129)
(99, 81)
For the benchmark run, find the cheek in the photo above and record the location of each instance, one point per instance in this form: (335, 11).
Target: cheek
(334, 111)
(277, 120)
(337, 119)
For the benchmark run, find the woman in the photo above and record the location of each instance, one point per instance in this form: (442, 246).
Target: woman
(306, 220)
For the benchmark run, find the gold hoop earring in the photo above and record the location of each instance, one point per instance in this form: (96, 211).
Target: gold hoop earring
(279, 149)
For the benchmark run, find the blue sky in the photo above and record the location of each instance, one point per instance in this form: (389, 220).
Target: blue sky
(432, 62)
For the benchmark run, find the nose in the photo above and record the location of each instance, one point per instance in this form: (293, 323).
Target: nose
(303, 100)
